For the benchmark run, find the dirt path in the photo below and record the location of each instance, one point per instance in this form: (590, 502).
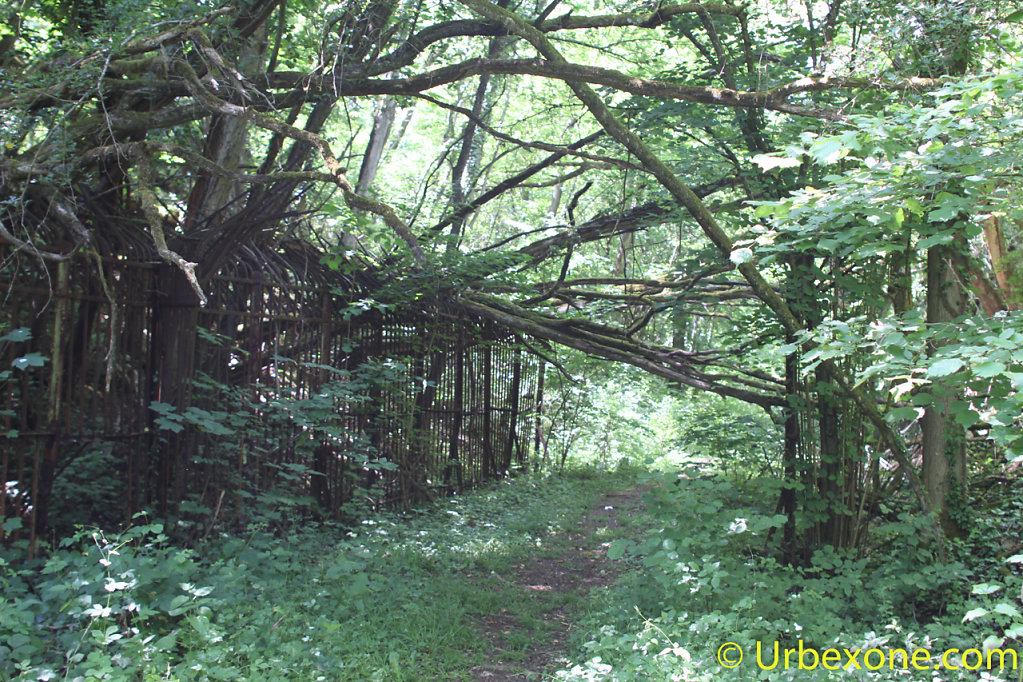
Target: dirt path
(556, 582)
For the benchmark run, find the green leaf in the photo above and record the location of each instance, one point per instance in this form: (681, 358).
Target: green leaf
(1016, 631)
(741, 255)
(989, 369)
(12, 524)
(985, 588)
(974, 614)
(617, 549)
(829, 151)
(936, 240)
(992, 642)
(899, 217)
(18, 335)
(944, 367)
(915, 206)
(166, 643)
(178, 605)
(161, 408)
(30, 360)
(1007, 609)
(900, 413)
(169, 425)
(945, 213)
(967, 418)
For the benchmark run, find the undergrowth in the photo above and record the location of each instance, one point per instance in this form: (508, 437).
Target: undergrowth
(397, 597)
(391, 599)
(705, 575)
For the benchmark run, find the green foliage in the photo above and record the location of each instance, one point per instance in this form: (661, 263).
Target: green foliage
(924, 173)
(705, 575)
(609, 415)
(921, 38)
(22, 363)
(386, 600)
(735, 438)
(290, 420)
(115, 607)
(932, 167)
(982, 354)
(992, 551)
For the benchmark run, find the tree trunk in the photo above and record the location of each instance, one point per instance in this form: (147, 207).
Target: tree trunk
(516, 384)
(944, 441)
(382, 123)
(831, 461)
(175, 328)
(1003, 267)
(790, 456)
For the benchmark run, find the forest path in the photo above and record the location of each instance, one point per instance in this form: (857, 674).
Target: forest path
(532, 638)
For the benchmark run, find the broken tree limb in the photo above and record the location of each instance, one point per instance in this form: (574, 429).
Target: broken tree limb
(147, 198)
(686, 198)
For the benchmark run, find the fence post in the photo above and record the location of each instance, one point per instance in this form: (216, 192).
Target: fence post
(513, 395)
(457, 413)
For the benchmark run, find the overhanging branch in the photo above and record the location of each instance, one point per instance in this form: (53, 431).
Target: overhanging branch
(686, 198)
(663, 362)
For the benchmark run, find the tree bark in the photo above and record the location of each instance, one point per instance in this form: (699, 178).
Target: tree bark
(943, 441)
(374, 154)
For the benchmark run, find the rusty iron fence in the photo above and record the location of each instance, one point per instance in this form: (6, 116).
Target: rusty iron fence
(285, 392)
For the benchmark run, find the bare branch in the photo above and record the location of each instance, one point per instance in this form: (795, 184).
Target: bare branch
(663, 362)
(21, 245)
(416, 44)
(773, 99)
(317, 142)
(560, 150)
(147, 198)
(512, 182)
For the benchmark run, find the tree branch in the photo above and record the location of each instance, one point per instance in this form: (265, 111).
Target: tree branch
(21, 245)
(658, 361)
(147, 199)
(686, 198)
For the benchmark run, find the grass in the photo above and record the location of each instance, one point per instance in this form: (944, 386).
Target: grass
(398, 598)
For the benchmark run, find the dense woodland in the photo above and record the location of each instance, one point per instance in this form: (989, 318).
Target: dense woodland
(272, 269)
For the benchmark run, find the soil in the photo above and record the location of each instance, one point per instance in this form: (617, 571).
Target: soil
(552, 579)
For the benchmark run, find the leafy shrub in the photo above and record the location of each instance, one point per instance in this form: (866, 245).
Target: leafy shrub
(101, 607)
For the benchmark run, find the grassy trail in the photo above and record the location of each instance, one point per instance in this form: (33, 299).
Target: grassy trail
(551, 588)
(485, 586)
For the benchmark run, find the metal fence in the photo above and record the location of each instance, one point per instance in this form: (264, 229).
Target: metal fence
(274, 397)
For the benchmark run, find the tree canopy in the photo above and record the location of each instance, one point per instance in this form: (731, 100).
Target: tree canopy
(809, 207)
